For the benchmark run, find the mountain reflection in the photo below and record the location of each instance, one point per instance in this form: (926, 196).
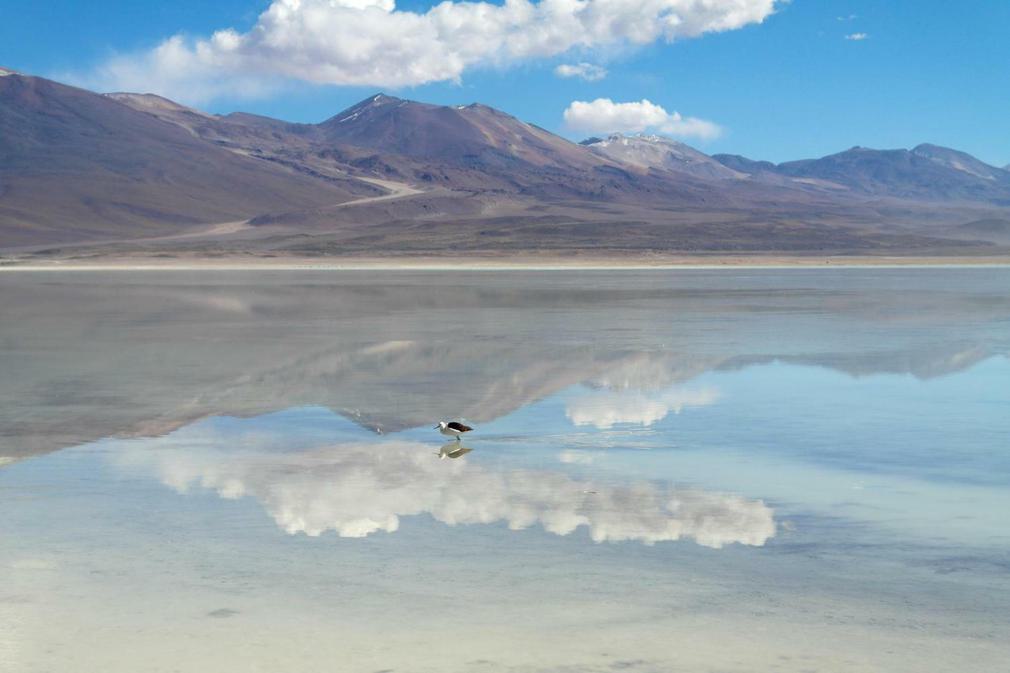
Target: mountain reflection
(141, 355)
(356, 489)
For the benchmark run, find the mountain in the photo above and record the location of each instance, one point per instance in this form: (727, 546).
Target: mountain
(471, 148)
(924, 173)
(157, 106)
(224, 347)
(137, 174)
(478, 147)
(991, 229)
(652, 151)
(75, 166)
(450, 133)
(959, 161)
(741, 164)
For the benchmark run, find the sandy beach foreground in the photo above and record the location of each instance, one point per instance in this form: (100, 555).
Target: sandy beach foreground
(494, 263)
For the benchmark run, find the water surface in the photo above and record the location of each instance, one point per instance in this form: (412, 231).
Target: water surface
(732, 470)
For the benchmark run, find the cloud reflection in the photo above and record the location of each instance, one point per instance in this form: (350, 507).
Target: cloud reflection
(572, 457)
(604, 410)
(356, 489)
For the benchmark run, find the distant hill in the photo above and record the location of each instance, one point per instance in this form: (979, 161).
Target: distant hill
(926, 173)
(744, 165)
(394, 176)
(992, 229)
(652, 151)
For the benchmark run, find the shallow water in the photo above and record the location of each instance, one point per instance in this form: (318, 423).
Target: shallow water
(732, 470)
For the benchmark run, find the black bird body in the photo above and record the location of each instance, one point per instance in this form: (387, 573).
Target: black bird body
(452, 428)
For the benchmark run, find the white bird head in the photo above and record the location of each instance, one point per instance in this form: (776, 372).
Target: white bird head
(442, 425)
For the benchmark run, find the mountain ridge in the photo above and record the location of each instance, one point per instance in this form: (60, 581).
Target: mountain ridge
(417, 177)
(119, 172)
(659, 152)
(926, 171)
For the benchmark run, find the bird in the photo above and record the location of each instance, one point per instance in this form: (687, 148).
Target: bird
(452, 428)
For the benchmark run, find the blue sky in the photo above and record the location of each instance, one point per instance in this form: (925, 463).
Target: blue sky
(790, 86)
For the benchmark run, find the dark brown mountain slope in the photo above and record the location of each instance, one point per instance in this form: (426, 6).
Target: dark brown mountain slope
(479, 148)
(75, 165)
(458, 134)
(402, 177)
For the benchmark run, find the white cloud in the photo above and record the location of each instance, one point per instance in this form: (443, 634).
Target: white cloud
(587, 71)
(604, 410)
(370, 42)
(605, 116)
(357, 489)
(856, 37)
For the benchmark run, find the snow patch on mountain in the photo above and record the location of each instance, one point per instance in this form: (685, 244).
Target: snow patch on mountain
(659, 152)
(958, 161)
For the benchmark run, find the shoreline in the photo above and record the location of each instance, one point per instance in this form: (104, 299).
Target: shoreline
(518, 263)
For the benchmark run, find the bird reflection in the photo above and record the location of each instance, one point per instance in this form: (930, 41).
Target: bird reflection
(453, 450)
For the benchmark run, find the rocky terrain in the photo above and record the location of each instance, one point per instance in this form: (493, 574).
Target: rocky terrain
(85, 174)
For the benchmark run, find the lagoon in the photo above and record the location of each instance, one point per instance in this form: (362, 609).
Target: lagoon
(672, 470)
